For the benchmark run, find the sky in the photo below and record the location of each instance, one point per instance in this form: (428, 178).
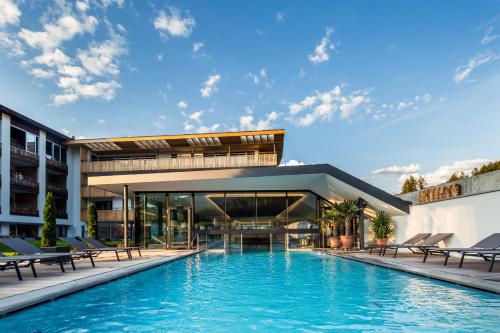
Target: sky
(380, 89)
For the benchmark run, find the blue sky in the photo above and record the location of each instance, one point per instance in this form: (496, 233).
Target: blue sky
(380, 89)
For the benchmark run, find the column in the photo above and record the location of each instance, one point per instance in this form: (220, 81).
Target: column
(42, 174)
(5, 166)
(361, 225)
(125, 215)
(73, 185)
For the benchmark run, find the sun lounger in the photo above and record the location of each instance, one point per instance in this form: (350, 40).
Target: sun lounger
(98, 245)
(490, 243)
(81, 246)
(412, 241)
(10, 263)
(29, 253)
(485, 254)
(430, 242)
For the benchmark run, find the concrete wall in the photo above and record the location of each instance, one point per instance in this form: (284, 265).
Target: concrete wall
(471, 218)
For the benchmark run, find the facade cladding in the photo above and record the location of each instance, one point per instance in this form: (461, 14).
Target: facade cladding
(173, 218)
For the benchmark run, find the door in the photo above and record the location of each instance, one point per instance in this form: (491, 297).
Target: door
(179, 226)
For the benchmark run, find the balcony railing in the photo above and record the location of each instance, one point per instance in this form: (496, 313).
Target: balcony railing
(57, 189)
(211, 162)
(109, 215)
(25, 211)
(24, 155)
(58, 166)
(24, 183)
(62, 215)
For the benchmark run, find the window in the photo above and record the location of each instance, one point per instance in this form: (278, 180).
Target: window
(56, 152)
(31, 143)
(48, 150)
(23, 140)
(64, 158)
(103, 204)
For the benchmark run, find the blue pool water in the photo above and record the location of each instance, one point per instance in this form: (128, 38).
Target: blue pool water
(263, 292)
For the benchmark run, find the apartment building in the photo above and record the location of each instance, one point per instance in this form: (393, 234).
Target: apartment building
(34, 161)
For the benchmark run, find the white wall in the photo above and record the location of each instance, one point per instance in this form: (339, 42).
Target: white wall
(470, 218)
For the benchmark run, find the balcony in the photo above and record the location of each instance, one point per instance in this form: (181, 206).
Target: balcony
(25, 211)
(25, 156)
(57, 166)
(179, 163)
(110, 215)
(94, 192)
(57, 190)
(24, 184)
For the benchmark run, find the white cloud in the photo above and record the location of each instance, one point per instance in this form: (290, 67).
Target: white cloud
(247, 121)
(256, 78)
(68, 70)
(54, 34)
(322, 105)
(463, 71)
(52, 58)
(209, 86)
(65, 98)
(82, 5)
(197, 46)
(160, 121)
(65, 131)
(9, 13)
(101, 121)
(182, 105)
(280, 17)
(489, 36)
(107, 3)
(11, 44)
(321, 50)
(174, 24)
(73, 89)
(398, 170)
(41, 74)
(196, 116)
(292, 163)
(100, 59)
(443, 173)
(302, 73)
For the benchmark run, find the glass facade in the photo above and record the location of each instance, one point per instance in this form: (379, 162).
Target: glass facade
(172, 219)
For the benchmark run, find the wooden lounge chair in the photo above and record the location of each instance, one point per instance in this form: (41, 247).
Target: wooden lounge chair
(412, 241)
(98, 245)
(30, 254)
(93, 252)
(489, 243)
(427, 243)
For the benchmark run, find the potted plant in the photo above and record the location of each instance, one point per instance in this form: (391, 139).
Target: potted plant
(382, 227)
(347, 209)
(333, 221)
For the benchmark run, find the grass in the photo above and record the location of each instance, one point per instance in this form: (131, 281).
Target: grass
(36, 243)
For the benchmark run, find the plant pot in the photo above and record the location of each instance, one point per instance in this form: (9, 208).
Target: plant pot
(380, 241)
(347, 241)
(334, 242)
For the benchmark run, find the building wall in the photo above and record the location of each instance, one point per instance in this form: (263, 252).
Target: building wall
(470, 218)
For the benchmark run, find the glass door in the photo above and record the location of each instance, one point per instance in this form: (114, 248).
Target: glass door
(179, 222)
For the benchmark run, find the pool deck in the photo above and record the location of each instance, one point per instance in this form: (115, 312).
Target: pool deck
(52, 283)
(474, 272)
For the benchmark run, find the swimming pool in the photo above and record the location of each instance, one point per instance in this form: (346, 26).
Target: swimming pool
(265, 292)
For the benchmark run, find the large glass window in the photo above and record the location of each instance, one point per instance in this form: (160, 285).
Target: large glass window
(151, 215)
(241, 210)
(55, 152)
(271, 210)
(302, 210)
(23, 140)
(31, 143)
(209, 211)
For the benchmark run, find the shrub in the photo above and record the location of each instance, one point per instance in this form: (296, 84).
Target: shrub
(92, 222)
(49, 236)
(382, 225)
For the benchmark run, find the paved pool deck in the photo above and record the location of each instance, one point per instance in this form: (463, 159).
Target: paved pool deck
(52, 283)
(473, 274)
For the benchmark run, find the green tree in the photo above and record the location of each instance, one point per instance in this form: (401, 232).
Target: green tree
(412, 184)
(49, 236)
(421, 183)
(489, 167)
(347, 210)
(92, 222)
(454, 177)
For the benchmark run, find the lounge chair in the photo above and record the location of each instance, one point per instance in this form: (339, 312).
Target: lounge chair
(29, 253)
(412, 241)
(93, 252)
(11, 262)
(485, 254)
(427, 243)
(489, 243)
(98, 245)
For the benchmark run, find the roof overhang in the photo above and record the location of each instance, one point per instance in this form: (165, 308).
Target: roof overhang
(325, 180)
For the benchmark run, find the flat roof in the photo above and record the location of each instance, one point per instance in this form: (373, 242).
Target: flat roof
(33, 123)
(263, 140)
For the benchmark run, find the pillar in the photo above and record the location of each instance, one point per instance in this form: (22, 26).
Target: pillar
(361, 225)
(41, 174)
(125, 215)
(5, 166)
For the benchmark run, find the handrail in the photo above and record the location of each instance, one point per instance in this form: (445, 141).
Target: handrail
(159, 240)
(169, 163)
(197, 237)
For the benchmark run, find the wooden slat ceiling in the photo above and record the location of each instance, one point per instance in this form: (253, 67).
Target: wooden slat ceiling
(267, 139)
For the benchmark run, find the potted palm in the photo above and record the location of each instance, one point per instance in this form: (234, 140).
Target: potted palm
(347, 209)
(333, 221)
(382, 227)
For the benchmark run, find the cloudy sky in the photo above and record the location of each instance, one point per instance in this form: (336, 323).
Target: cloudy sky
(381, 90)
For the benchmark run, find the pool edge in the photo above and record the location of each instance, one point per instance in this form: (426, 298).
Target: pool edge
(415, 271)
(22, 301)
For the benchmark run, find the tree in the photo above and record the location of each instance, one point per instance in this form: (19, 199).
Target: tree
(489, 167)
(412, 184)
(347, 209)
(92, 220)
(49, 236)
(454, 177)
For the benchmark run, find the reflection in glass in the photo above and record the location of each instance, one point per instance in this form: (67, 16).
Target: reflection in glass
(302, 207)
(271, 210)
(241, 210)
(209, 211)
